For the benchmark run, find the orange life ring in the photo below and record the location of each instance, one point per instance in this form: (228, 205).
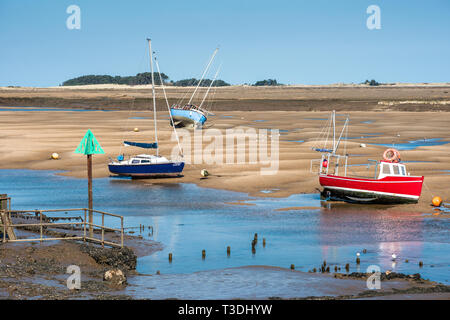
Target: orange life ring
(391, 155)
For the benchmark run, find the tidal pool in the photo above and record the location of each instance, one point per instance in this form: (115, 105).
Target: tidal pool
(411, 145)
(188, 219)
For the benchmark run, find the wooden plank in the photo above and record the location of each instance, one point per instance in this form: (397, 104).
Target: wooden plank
(6, 221)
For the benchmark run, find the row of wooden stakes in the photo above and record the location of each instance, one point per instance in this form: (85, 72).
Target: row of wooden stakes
(254, 242)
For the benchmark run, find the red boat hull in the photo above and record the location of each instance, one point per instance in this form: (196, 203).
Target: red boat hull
(390, 189)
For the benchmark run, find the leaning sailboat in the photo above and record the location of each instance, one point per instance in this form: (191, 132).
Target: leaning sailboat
(391, 183)
(148, 165)
(190, 114)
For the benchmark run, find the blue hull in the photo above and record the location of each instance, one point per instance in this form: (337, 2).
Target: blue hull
(188, 116)
(147, 170)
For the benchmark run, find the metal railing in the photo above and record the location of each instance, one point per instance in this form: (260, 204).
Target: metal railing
(86, 226)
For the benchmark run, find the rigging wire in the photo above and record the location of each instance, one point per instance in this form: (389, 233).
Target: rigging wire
(126, 124)
(168, 106)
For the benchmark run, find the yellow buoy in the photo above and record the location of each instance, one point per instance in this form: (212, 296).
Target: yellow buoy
(437, 201)
(204, 173)
(55, 156)
(136, 129)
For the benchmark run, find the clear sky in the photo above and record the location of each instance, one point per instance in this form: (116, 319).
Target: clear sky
(295, 42)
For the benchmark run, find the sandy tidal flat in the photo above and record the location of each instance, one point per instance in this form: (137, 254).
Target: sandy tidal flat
(30, 137)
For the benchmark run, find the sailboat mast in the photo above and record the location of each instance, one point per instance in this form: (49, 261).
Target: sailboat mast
(209, 88)
(203, 75)
(153, 94)
(340, 136)
(334, 131)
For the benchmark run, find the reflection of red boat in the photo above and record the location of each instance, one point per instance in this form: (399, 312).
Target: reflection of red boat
(391, 183)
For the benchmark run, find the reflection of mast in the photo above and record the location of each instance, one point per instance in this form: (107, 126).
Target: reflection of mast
(203, 75)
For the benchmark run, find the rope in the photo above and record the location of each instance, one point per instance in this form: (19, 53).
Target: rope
(428, 189)
(126, 124)
(168, 107)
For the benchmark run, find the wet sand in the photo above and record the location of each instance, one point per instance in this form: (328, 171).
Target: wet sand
(30, 137)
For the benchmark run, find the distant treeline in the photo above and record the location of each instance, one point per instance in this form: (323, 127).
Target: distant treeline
(372, 82)
(267, 82)
(140, 78)
(194, 82)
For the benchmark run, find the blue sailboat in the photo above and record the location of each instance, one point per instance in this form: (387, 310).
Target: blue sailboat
(148, 165)
(190, 114)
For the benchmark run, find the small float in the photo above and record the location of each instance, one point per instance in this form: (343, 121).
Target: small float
(391, 183)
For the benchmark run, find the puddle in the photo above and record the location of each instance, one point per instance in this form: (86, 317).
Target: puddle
(269, 191)
(411, 145)
(365, 136)
(46, 109)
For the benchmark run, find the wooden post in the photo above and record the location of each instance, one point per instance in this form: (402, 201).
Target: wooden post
(89, 172)
(103, 230)
(89, 146)
(121, 233)
(40, 222)
(84, 227)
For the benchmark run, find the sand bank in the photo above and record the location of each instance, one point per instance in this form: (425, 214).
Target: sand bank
(30, 137)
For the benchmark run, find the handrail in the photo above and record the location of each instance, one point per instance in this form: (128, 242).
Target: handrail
(39, 214)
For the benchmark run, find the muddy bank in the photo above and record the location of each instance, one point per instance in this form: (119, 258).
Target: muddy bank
(241, 98)
(36, 270)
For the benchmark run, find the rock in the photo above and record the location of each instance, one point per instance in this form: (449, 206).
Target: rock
(123, 258)
(115, 277)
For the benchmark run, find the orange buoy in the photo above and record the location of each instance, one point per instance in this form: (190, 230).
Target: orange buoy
(391, 155)
(437, 201)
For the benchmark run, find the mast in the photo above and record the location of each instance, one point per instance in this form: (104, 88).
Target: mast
(209, 88)
(340, 136)
(203, 75)
(168, 107)
(334, 131)
(153, 94)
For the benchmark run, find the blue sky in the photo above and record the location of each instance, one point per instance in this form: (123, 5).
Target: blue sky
(296, 42)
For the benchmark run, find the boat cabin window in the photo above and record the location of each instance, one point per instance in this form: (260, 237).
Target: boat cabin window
(135, 161)
(145, 161)
(403, 170)
(396, 169)
(386, 169)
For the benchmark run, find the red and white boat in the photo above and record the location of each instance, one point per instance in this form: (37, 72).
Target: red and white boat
(391, 182)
